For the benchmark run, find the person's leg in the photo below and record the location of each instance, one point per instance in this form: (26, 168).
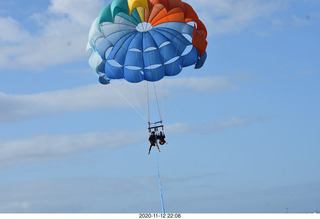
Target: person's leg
(150, 148)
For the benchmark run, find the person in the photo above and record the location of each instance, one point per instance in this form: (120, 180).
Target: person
(153, 141)
(161, 138)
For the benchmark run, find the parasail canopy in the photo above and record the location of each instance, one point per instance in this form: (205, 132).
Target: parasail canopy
(139, 40)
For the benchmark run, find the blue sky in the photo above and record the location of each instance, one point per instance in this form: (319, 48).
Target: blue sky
(243, 131)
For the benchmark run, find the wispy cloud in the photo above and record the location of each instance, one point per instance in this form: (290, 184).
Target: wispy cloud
(18, 107)
(50, 147)
(222, 16)
(301, 74)
(204, 84)
(78, 11)
(11, 31)
(217, 126)
(15, 108)
(62, 29)
(85, 194)
(61, 37)
(78, 195)
(96, 194)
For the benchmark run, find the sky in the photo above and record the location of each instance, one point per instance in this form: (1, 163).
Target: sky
(243, 131)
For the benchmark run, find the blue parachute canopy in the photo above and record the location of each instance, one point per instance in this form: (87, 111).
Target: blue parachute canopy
(122, 44)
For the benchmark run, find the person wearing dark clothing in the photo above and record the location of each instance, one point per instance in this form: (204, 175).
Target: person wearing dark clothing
(153, 141)
(161, 138)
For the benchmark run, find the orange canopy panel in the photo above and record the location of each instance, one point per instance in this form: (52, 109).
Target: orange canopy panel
(155, 11)
(177, 17)
(199, 42)
(168, 4)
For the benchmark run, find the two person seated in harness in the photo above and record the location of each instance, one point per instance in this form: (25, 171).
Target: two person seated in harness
(153, 138)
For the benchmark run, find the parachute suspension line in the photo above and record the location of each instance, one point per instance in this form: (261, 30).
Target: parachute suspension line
(164, 84)
(156, 95)
(129, 103)
(126, 99)
(177, 86)
(148, 102)
(124, 88)
(152, 59)
(176, 79)
(160, 188)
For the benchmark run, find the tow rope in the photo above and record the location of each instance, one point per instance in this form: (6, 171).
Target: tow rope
(160, 188)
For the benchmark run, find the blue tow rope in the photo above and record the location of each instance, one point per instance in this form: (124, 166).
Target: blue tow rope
(160, 188)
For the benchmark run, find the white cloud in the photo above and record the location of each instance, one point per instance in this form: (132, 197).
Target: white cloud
(19, 107)
(64, 26)
(11, 31)
(62, 36)
(216, 126)
(209, 84)
(232, 122)
(225, 125)
(179, 128)
(48, 147)
(51, 147)
(221, 16)
(79, 11)
(38, 53)
(93, 194)
(80, 195)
